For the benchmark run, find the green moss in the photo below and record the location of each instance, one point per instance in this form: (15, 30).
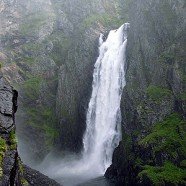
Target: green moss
(24, 182)
(2, 144)
(13, 140)
(3, 148)
(167, 174)
(168, 136)
(157, 93)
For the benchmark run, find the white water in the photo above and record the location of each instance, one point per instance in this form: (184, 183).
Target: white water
(103, 121)
(103, 131)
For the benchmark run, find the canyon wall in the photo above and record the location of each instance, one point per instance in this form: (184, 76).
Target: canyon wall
(153, 102)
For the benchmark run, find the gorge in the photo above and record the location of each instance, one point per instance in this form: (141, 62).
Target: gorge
(130, 122)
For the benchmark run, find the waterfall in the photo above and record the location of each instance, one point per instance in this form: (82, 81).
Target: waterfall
(103, 121)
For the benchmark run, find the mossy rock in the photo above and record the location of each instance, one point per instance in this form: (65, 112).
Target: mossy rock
(13, 140)
(3, 148)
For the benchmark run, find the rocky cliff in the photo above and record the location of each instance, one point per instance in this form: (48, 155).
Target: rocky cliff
(12, 171)
(153, 104)
(8, 152)
(48, 49)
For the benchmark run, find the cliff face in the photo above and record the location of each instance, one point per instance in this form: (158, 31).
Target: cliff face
(86, 21)
(153, 136)
(8, 152)
(12, 171)
(48, 49)
(26, 64)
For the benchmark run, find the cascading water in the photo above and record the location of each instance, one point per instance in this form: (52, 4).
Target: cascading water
(103, 131)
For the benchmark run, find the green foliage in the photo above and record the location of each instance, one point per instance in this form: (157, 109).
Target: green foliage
(157, 93)
(3, 148)
(183, 164)
(167, 57)
(182, 96)
(2, 144)
(31, 48)
(33, 23)
(168, 136)
(61, 45)
(31, 88)
(105, 19)
(1, 65)
(24, 182)
(168, 173)
(44, 119)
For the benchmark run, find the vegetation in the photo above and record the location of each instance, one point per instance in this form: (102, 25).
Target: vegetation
(167, 174)
(31, 88)
(157, 93)
(105, 19)
(44, 119)
(13, 140)
(3, 148)
(33, 23)
(182, 96)
(167, 137)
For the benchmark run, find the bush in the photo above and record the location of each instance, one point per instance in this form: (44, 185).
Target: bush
(168, 136)
(167, 174)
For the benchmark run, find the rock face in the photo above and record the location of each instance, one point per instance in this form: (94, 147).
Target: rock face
(8, 152)
(47, 52)
(85, 23)
(155, 89)
(12, 172)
